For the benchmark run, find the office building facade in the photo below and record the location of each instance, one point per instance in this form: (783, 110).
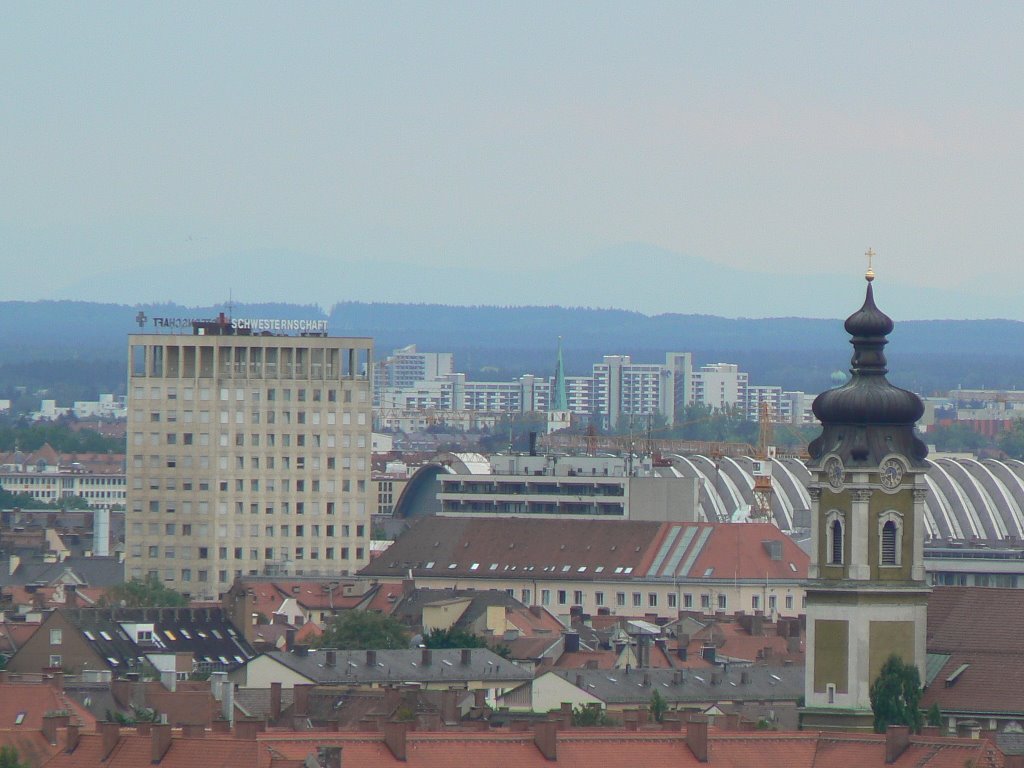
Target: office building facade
(247, 454)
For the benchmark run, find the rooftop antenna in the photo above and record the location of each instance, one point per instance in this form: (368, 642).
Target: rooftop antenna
(231, 303)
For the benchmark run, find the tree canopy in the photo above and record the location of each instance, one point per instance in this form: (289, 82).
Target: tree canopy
(144, 593)
(453, 638)
(9, 758)
(363, 630)
(896, 696)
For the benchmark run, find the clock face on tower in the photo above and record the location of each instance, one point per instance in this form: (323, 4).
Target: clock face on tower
(834, 472)
(891, 473)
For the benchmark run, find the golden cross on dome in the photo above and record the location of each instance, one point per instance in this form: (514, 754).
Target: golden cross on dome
(870, 274)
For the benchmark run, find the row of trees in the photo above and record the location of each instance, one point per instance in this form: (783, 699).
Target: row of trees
(30, 436)
(960, 438)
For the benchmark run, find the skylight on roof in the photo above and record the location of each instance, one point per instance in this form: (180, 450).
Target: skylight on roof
(217, 634)
(792, 567)
(89, 635)
(494, 566)
(599, 569)
(581, 569)
(185, 634)
(474, 566)
(170, 635)
(19, 718)
(429, 565)
(452, 566)
(566, 568)
(104, 635)
(619, 569)
(628, 570)
(709, 571)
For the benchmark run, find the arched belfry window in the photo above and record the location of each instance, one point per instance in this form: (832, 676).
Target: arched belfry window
(890, 538)
(834, 536)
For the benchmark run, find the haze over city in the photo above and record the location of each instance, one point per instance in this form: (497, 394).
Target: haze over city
(667, 157)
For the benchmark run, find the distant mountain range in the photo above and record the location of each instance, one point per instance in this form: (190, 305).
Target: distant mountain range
(503, 342)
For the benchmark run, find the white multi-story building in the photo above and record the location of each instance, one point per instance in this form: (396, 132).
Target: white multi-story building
(720, 386)
(247, 454)
(406, 367)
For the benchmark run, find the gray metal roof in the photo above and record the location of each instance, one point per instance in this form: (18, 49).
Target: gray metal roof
(685, 686)
(967, 499)
(402, 666)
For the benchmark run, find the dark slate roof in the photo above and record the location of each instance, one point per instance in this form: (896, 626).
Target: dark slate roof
(401, 666)
(91, 571)
(616, 686)
(206, 633)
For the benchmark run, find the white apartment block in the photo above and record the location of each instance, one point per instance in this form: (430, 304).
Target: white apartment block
(247, 455)
(53, 486)
(406, 367)
(720, 386)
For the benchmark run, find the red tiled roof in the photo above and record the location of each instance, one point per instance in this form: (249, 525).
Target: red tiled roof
(34, 700)
(579, 748)
(982, 627)
(612, 549)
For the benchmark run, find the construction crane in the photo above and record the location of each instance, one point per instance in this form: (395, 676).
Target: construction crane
(763, 491)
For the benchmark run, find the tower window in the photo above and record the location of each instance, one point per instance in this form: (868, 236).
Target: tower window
(890, 538)
(889, 543)
(834, 537)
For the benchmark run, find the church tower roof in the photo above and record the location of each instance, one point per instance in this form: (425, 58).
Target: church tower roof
(559, 398)
(868, 418)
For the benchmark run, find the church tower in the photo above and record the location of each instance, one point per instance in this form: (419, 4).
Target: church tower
(867, 596)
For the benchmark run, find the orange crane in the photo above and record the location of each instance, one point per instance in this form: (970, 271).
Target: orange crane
(763, 491)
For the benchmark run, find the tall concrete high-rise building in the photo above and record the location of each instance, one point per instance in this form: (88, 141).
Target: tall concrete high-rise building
(248, 453)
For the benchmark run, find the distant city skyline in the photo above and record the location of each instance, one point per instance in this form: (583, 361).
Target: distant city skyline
(663, 157)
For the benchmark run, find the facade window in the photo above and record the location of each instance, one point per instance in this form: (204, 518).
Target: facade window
(577, 597)
(637, 600)
(722, 602)
(773, 603)
(620, 599)
(687, 600)
(55, 637)
(652, 600)
(755, 603)
(834, 537)
(55, 660)
(525, 593)
(673, 600)
(545, 597)
(890, 538)
(598, 598)
(561, 597)
(789, 602)
(705, 601)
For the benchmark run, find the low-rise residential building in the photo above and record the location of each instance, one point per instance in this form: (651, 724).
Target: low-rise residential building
(437, 669)
(175, 641)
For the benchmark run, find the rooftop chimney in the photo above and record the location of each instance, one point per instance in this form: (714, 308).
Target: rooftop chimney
(160, 741)
(395, 738)
(467, 656)
(110, 732)
(697, 737)
(371, 659)
(897, 739)
(545, 737)
(426, 657)
(300, 705)
(72, 737)
(275, 701)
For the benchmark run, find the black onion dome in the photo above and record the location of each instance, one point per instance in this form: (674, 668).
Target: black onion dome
(869, 320)
(868, 399)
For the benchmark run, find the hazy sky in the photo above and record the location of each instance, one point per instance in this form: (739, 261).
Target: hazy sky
(504, 152)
